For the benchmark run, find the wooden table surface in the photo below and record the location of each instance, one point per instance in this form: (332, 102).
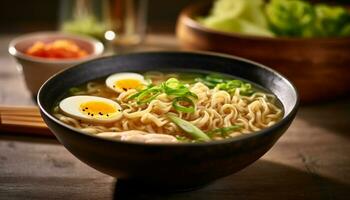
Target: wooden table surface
(310, 161)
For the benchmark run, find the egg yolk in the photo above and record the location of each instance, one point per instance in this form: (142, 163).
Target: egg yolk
(126, 84)
(98, 109)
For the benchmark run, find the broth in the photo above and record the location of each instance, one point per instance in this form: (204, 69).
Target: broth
(169, 107)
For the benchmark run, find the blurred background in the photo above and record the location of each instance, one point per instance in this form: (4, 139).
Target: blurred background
(44, 15)
(313, 36)
(36, 15)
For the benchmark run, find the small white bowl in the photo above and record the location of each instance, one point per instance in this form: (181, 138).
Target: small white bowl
(37, 70)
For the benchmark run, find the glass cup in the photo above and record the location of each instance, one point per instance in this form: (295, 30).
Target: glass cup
(86, 17)
(120, 24)
(128, 24)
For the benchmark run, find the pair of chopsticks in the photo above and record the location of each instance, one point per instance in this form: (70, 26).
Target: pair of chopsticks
(24, 120)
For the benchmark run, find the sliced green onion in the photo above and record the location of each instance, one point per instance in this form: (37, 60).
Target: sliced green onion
(215, 78)
(222, 83)
(178, 107)
(191, 94)
(182, 138)
(212, 80)
(205, 82)
(135, 95)
(235, 83)
(148, 95)
(246, 89)
(74, 90)
(173, 87)
(232, 85)
(189, 128)
(172, 83)
(188, 78)
(140, 92)
(178, 92)
(224, 131)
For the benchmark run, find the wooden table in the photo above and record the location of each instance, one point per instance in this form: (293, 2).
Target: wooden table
(310, 161)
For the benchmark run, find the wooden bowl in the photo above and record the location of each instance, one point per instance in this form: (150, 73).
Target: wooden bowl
(319, 67)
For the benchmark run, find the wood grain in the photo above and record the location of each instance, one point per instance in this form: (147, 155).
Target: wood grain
(310, 161)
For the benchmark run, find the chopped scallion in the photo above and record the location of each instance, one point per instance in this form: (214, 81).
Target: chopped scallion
(173, 88)
(74, 90)
(148, 95)
(181, 108)
(189, 128)
(224, 131)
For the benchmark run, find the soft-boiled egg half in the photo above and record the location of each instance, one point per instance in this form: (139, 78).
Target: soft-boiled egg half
(91, 109)
(121, 82)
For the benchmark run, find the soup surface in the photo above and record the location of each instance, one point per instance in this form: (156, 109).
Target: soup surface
(163, 107)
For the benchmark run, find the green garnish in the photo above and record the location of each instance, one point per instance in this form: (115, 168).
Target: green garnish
(232, 85)
(134, 96)
(179, 107)
(74, 90)
(174, 89)
(189, 128)
(224, 131)
(215, 78)
(229, 85)
(211, 80)
(191, 94)
(182, 138)
(205, 82)
(148, 95)
(181, 94)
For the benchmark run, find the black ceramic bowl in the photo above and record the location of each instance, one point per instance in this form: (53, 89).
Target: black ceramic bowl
(172, 166)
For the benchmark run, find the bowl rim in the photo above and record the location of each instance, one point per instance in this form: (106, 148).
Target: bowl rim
(97, 47)
(286, 118)
(187, 19)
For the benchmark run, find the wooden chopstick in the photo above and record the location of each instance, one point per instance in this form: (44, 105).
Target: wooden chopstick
(20, 114)
(28, 110)
(7, 121)
(19, 108)
(26, 120)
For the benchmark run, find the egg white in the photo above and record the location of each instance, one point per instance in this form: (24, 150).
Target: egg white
(112, 79)
(71, 107)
